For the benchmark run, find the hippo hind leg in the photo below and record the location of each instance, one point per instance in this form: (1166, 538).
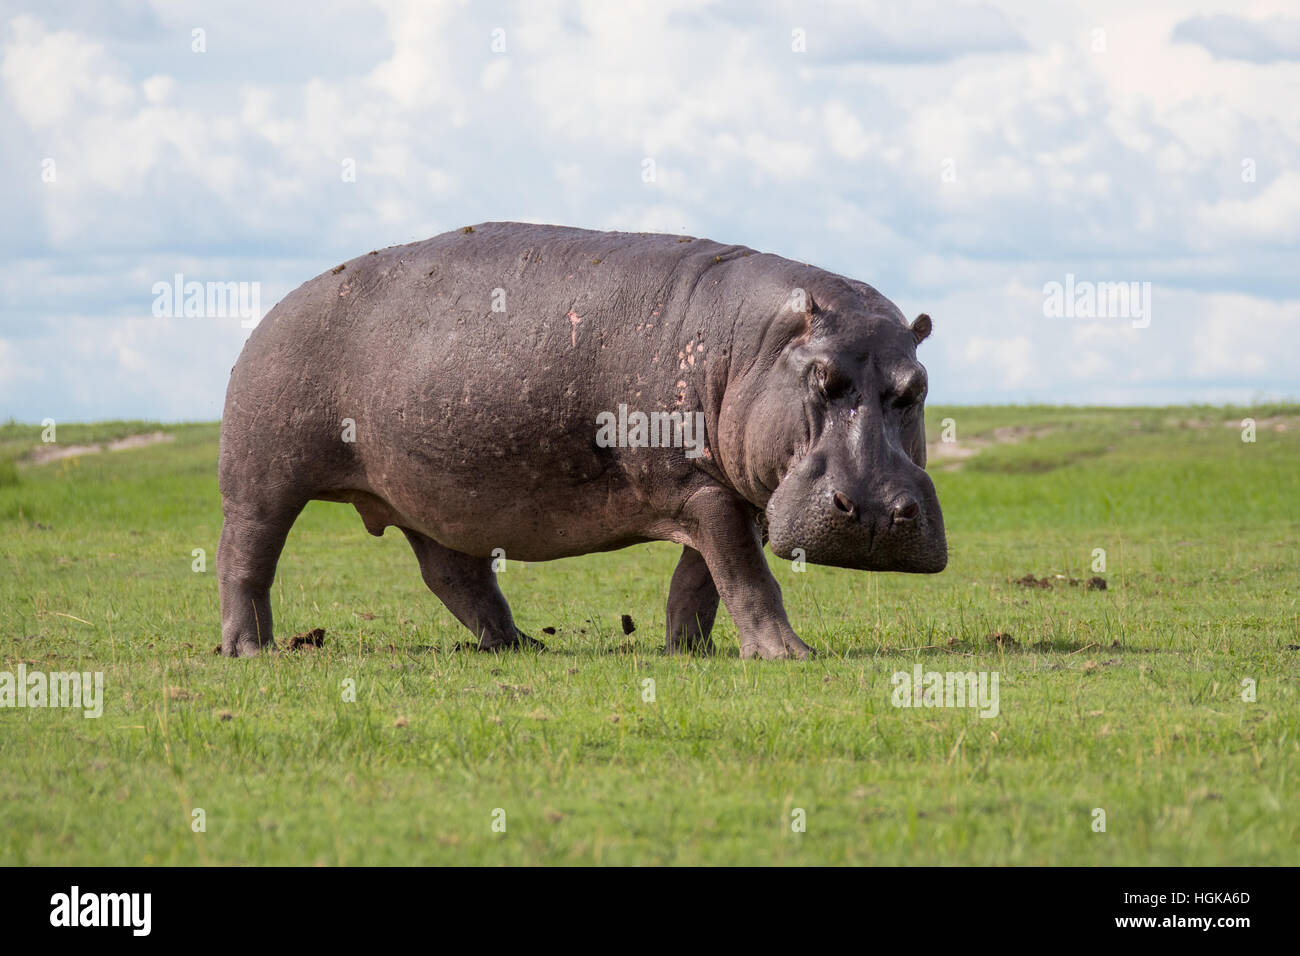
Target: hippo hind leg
(251, 542)
(468, 587)
(692, 605)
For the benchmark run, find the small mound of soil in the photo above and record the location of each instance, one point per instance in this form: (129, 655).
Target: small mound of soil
(1002, 639)
(307, 639)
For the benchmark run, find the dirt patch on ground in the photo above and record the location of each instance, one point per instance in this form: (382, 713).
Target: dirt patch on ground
(952, 454)
(1094, 583)
(42, 454)
(1029, 581)
(955, 451)
(1277, 423)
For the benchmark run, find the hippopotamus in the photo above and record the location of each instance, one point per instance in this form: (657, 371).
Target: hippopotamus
(487, 392)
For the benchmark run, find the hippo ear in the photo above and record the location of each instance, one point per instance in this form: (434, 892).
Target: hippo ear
(921, 328)
(801, 302)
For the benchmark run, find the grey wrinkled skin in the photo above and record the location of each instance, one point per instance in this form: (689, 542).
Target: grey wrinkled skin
(475, 429)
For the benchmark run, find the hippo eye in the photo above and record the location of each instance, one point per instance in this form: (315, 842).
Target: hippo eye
(829, 380)
(912, 393)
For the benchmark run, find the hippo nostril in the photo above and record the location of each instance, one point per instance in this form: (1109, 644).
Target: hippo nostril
(842, 503)
(906, 509)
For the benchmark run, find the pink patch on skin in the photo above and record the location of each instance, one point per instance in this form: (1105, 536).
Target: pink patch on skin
(573, 330)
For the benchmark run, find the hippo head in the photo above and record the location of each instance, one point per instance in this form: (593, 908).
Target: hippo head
(829, 437)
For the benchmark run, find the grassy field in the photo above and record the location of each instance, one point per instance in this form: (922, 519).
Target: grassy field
(1127, 700)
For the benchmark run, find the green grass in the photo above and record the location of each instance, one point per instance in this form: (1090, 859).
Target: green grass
(1127, 699)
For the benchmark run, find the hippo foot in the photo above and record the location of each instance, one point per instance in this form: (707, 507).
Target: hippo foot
(791, 648)
(248, 647)
(520, 642)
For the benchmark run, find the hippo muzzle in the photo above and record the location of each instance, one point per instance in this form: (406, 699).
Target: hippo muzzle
(822, 515)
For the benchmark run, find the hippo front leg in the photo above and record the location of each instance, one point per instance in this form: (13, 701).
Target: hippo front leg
(692, 605)
(724, 532)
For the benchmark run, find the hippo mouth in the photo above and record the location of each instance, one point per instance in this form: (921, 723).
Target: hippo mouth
(899, 531)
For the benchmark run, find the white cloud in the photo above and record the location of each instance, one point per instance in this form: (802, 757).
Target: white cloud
(1005, 362)
(1244, 338)
(1271, 214)
(1237, 38)
(49, 74)
(848, 137)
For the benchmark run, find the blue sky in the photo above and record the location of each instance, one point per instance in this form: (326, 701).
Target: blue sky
(957, 156)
